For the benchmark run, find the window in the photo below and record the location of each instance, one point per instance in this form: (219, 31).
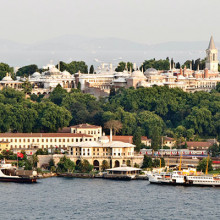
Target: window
(19, 140)
(24, 140)
(42, 140)
(68, 140)
(37, 140)
(32, 140)
(55, 140)
(76, 139)
(59, 140)
(46, 140)
(64, 140)
(51, 140)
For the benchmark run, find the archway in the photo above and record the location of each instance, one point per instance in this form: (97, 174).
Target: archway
(78, 162)
(96, 164)
(117, 164)
(128, 163)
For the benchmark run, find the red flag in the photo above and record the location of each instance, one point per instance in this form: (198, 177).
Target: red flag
(20, 155)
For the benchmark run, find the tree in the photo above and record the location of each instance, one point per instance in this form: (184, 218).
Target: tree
(147, 162)
(58, 94)
(137, 139)
(27, 87)
(34, 160)
(113, 125)
(74, 67)
(124, 66)
(214, 150)
(65, 165)
(5, 68)
(84, 166)
(105, 165)
(25, 71)
(203, 164)
(91, 69)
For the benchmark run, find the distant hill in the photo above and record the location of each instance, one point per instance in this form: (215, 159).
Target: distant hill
(68, 48)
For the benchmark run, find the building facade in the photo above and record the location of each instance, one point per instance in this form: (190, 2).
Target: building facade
(115, 153)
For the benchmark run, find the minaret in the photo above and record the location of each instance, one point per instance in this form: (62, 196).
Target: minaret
(212, 57)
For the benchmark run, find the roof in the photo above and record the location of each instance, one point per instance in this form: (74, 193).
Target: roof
(211, 44)
(125, 139)
(198, 144)
(168, 139)
(144, 138)
(32, 135)
(100, 144)
(64, 130)
(85, 126)
(124, 169)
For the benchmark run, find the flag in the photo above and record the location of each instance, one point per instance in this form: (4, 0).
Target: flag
(20, 155)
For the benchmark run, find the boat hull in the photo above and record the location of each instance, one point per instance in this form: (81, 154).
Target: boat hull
(18, 180)
(184, 184)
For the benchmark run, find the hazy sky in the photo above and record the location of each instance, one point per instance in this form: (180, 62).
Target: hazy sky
(145, 21)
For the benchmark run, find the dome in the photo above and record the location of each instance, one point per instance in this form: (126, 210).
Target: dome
(151, 71)
(36, 74)
(137, 74)
(104, 139)
(66, 73)
(7, 78)
(54, 70)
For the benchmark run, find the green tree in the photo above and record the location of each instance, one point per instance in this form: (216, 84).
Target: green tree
(65, 165)
(215, 150)
(105, 165)
(58, 94)
(5, 68)
(203, 164)
(147, 162)
(25, 71)
(91, 69)
(27, 87)
(84, 166)
(137, 139)
(74, 67)
(124, 66)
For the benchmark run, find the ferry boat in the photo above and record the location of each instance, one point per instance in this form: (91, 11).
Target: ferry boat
(8, 174)
(179, 178)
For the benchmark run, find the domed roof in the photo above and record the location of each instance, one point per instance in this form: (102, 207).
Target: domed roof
(36, 74)
(7, 78)
(66, 73)
(137, 74)
(54, 70)
(151, 71)
(103, 139)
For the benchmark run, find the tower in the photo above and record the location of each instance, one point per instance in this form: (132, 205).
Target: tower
(212, 57)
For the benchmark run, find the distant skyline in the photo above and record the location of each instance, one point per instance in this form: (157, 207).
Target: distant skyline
(142, 21)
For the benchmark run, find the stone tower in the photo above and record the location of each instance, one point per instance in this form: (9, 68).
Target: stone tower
(212, 57)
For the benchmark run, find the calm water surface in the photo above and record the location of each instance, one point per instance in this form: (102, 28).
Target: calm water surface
(63, 198)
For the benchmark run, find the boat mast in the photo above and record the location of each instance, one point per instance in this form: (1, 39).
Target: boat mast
(180, 161)
(207, 165)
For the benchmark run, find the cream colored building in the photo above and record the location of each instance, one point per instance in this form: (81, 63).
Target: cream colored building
(43, 140)
(94, 130)
(4, 145)
(115, 153)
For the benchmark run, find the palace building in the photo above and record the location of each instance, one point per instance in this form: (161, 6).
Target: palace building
(115, 153)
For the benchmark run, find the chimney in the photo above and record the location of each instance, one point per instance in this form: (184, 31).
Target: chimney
(111, 135)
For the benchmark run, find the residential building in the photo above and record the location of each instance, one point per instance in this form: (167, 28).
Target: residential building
(169, 142)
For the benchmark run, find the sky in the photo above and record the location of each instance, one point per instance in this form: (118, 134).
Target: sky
(143, 21)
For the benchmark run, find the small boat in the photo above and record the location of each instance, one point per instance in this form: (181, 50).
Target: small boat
(9, 173)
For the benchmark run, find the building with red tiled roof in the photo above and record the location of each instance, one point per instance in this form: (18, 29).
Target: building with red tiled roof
(169, 142)
(198, 145)
(43, 140)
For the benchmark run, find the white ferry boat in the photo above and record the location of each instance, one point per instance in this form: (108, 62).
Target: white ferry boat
(179, 178)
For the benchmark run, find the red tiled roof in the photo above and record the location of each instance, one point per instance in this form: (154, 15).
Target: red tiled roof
(144, 138)
(168, 139)
(85, 126)
(125, 139)
(31, 135)
(198, 144)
